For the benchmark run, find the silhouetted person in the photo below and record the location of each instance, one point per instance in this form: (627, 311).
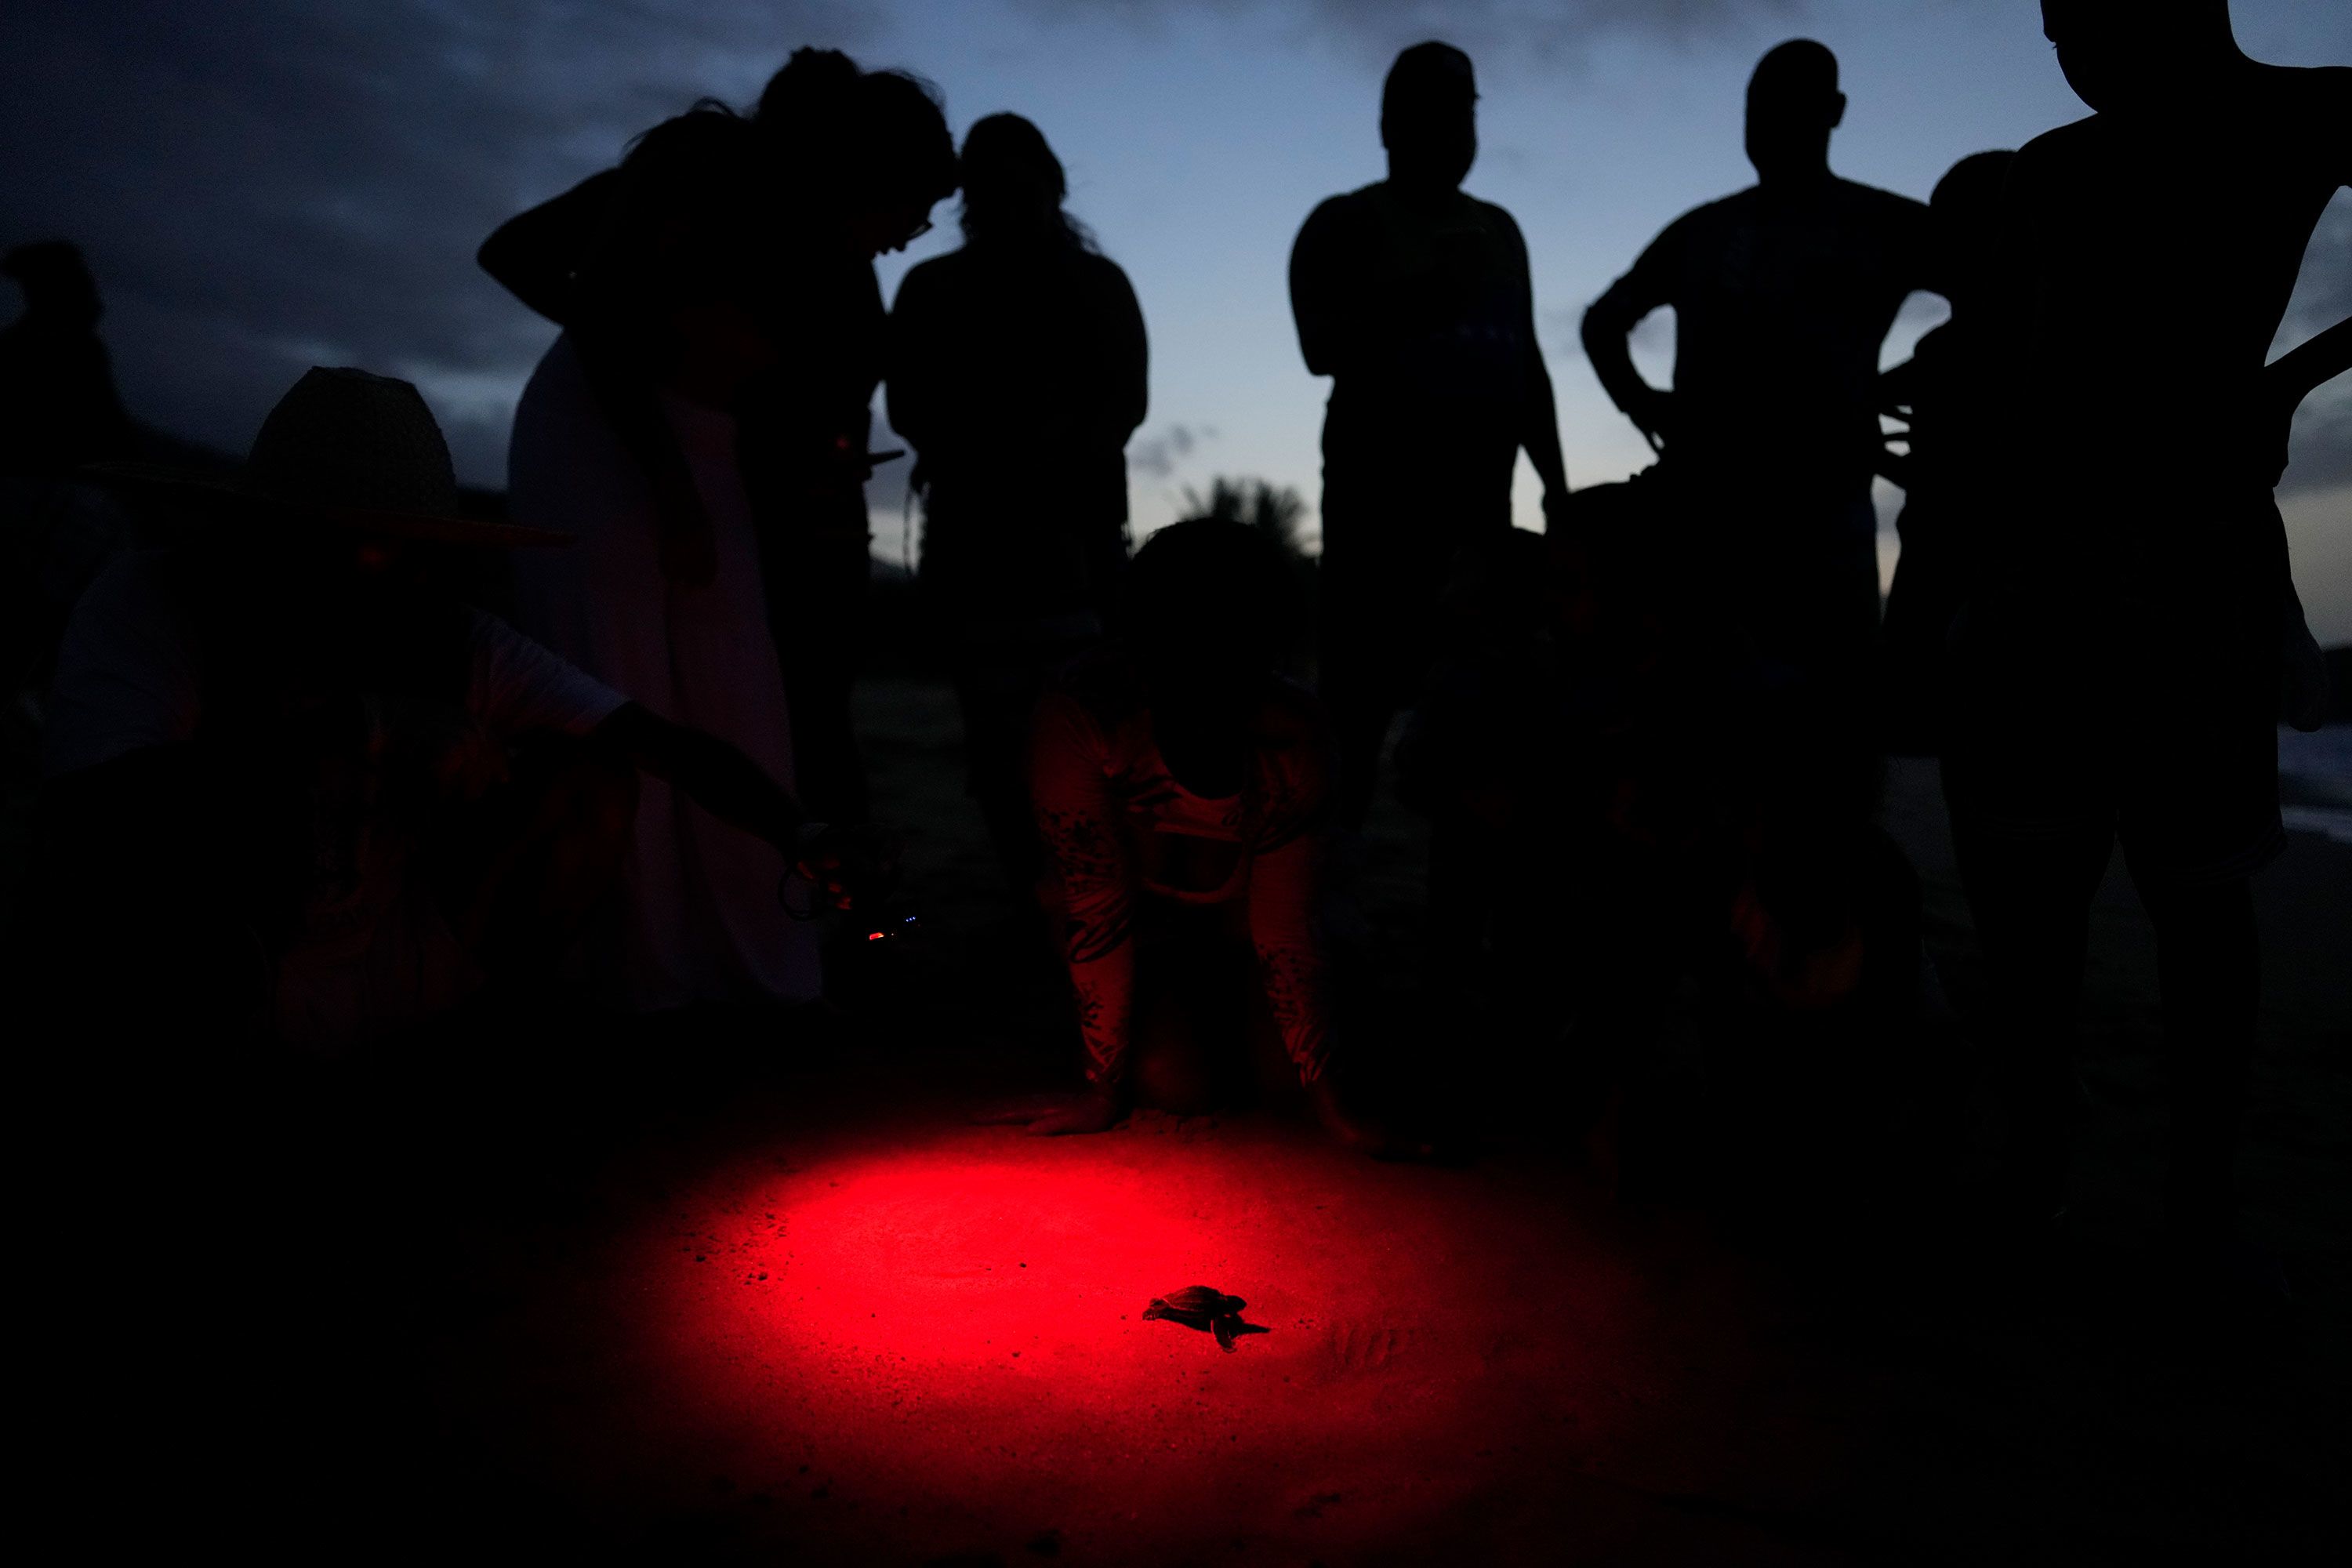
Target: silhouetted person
(59, 408)
(627, 438)
(1415, 298)
(1479, 754)
(301, 806)
(58, 411)
(1782, 295)
(296, 795)
(1018, 372)
(1950, 474)
(1703, 867)
(851, 163)
(1180, 785)
(2116, 676)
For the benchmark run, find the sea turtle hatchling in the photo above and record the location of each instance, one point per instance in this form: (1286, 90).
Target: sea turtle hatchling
(1199, 1307)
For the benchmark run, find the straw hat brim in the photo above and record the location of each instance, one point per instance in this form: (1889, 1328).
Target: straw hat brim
(230, 488)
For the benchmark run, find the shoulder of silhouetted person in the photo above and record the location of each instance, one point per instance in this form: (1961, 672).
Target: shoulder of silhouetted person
(1888, 206)
(927, 280)
(1346, 218)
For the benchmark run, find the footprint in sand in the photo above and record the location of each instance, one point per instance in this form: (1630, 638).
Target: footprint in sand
(1362, 1347)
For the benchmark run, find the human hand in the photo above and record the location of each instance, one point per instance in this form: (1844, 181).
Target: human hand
(1094, 1110)
(1556, 507)
(1652, 414)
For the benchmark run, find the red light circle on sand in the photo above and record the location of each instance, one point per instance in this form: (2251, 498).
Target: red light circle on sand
(958, 1329)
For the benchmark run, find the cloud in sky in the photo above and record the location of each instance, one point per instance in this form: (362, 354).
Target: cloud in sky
(1158, 453)
(1548, 31)
(266, 183)
(263, 183)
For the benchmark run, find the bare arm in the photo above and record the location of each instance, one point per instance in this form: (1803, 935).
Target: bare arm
(2303, 369)
(1538, 415)
(1608, 327)
(1325, 299)
(2267, 419)
(713, 774)
(566, 259)
(535, 253)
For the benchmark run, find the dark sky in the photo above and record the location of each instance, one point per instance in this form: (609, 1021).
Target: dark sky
(263, 183)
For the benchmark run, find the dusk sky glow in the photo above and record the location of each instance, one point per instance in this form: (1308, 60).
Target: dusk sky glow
(263, 183)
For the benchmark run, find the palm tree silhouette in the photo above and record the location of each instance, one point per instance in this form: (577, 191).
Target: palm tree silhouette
(1276, 510)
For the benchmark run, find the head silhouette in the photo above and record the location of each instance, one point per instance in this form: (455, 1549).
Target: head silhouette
(807, 100)
(1963, 216)
(1429, 116)
(58, 289)
(1208, 606)
(2123, 55)
(906, 161)
(871, 145)
(688, 262)
(1013, 186)
(1793, 104)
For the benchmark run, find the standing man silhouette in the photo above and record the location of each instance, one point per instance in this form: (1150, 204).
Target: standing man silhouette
(2117, 673)
(1782, 295)
(1413, 297)
(58, 410)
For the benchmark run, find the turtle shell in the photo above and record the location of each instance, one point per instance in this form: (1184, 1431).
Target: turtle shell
(1196, 1302)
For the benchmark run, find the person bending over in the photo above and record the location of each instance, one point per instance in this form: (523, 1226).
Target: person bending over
(296, 793)
(847, 164)
(1179, 783)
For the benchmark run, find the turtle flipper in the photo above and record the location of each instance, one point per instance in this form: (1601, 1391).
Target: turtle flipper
(1222, 1328)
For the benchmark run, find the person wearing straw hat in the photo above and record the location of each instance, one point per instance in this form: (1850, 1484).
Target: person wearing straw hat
(293, 786)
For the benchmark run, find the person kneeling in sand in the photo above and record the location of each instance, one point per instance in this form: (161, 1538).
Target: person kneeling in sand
(304, 796)
(1179, 783)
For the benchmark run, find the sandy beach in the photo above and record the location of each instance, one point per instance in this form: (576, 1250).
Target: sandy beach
(743, 1289)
